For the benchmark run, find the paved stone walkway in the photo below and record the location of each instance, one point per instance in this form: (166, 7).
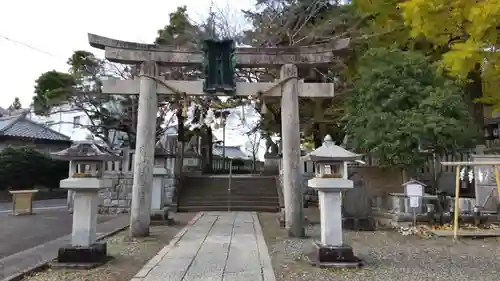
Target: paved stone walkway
(215, 246)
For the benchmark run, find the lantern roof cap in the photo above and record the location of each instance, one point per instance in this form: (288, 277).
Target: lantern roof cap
(329, 151)
(413, 181)
(86, 150)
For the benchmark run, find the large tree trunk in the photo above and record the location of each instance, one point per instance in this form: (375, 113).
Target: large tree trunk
(474, 90)
(210, 147)
(206, 150)
(180, 143)
(318, 140)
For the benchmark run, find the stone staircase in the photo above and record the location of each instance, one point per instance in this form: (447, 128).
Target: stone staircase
(210, 193)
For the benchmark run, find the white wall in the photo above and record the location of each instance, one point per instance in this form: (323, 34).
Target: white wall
(62, 121)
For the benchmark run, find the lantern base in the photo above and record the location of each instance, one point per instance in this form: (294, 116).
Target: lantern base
(326, 256)
(82, 257)
(359, 224)
(161, 217)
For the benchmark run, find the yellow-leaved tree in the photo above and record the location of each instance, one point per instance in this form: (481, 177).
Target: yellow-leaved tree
(463, 35)
(471, 30)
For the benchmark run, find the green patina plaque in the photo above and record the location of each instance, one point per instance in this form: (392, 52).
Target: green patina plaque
(219, 66)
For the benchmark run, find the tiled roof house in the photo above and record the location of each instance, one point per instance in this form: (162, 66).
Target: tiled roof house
(18, 130)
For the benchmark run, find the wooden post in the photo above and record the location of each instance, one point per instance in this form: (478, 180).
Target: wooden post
(292, 183)
(456, 209)
(140, 217)
(497, 179)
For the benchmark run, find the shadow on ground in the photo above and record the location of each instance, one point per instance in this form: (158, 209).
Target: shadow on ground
(129, 255)
(389, 256)
(19, 233)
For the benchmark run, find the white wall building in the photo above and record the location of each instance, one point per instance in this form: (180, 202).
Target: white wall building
(66, 121)
(72, 122)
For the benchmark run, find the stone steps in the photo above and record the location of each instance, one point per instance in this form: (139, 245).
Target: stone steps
(231, 208)
(218, 193)
(211, 202)
(253, 193)
(233, 197)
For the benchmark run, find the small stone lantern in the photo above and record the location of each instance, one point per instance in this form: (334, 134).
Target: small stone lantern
(330, 180)
(86, 169)
(160, 172)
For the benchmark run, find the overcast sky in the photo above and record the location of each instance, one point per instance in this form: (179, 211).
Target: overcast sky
(56, 28)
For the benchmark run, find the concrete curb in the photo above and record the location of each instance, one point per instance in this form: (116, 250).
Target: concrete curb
(265, 259)
(44, 265)
(143, 272)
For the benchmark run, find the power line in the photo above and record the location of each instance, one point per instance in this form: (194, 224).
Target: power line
(29, 46)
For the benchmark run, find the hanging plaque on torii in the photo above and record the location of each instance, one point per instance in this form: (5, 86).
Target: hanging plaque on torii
(219, 66)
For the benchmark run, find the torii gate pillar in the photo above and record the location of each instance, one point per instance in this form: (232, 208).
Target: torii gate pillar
(140, 211)
(290, 136)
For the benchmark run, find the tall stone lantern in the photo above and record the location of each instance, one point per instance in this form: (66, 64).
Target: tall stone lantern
(160, 181)
(86, 169)
(330, 180)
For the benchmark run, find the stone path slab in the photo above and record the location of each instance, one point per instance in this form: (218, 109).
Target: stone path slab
(218, 246)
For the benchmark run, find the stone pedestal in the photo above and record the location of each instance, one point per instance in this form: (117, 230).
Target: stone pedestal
(271, 163)
(340, 256)
(191, 162)
(331, 217)
(84, 218)
(84, 251)
(158, 210)
(331, 251)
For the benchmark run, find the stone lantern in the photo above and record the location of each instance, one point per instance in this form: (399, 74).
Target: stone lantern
(86, 171)
(160, 177)
(330, 180)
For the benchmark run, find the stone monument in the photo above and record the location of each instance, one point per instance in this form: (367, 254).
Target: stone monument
(272, 157)
(192, 157)
(330, 180)
(356, 206)
(86, 169)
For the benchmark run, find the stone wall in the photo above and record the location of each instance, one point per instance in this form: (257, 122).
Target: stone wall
(379, 181)
(118, 198)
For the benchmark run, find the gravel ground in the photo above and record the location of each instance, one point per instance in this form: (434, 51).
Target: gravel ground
(389, 256)
(129, 256)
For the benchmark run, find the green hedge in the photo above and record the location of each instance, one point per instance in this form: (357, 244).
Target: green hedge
(25, 167)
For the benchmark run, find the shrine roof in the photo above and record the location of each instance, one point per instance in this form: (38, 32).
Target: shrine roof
(233, 152)
(413, 181)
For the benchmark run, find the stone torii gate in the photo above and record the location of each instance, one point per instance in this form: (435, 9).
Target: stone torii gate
(149, 84)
